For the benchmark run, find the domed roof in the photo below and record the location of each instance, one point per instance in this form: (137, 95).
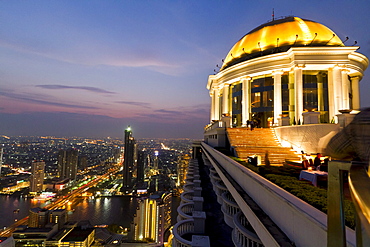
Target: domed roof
(278, 36)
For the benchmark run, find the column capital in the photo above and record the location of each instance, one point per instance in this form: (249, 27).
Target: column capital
(299, 66)
(277, 72)
(357, 77)
(245, 78)
(340, 66)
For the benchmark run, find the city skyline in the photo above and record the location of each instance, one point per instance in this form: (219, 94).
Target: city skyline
(78, 69)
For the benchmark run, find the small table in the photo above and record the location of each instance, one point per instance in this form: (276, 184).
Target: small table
(311, 176)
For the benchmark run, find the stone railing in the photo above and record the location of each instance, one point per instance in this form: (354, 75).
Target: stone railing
(185, 211)
(189, 187)
(187, 197)
(229, 208)
(181, 228)
(220, 188)
(191, 219)
(290, 220)
(241, 236)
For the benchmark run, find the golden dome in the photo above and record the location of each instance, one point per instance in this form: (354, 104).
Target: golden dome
(278, 36)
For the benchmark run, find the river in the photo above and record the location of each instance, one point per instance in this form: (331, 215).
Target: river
(99, 211)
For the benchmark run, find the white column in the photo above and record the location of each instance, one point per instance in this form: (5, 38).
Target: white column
(216, 97)
(245, 101)
(291, 97)
(298, 90)
(320, 93)
(337, 84)
(225, 99)
(212, 113)
(331, 98)
(345, 89)
(277, 96)
(355, 92)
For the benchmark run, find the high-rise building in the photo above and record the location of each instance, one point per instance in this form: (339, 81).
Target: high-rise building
(152, 218)
(59, 217)
(38, 217)
(182, 165)
(82, 162)
(129, 160)
(141, 158)
(67, 163)
(37, 176)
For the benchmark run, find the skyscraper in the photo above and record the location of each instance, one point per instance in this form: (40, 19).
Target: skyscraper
(37, 176)
(129, 160)
(152, 218)
(67, 163)
(38, 217)
(141, 157)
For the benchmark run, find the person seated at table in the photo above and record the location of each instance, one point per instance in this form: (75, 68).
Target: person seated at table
(317, 160)
(311, 162)
(324, 166)
(305, 164)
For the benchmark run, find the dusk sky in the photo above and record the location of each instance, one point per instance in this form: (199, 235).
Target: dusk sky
(91, 68)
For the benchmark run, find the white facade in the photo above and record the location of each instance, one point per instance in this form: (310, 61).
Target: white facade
(272, 83)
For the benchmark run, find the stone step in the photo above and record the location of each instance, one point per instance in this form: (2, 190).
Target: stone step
(258, 142)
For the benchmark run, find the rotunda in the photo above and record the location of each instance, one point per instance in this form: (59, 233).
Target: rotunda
(284, 68)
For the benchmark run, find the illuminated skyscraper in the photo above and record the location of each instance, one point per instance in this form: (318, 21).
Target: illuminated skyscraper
(153, 218)
(37, 176)
(129, 160)
(182, 165)
(67, 163)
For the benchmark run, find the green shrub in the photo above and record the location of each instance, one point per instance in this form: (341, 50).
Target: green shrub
(287, 178)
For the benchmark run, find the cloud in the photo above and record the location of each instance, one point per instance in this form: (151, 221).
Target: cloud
(177, 115)
(86, 55)
(43, 102)
(142, 104)
(90, 89)
(168, 111)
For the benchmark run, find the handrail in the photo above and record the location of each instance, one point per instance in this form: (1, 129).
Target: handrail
(181, 228)
(359, 182)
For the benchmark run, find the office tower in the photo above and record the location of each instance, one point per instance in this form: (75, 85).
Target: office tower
(182, 165)
(156, 161)
(152, 218)
(38, 217)
(37, 176)
(141, 157)
(59, 217)
(129, 160)
(79, 236)
(67, 163)
(82, 162)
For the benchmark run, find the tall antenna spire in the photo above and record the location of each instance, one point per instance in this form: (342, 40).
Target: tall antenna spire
(273, 14)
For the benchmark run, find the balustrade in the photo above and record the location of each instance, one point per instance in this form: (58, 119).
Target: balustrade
(241, 236)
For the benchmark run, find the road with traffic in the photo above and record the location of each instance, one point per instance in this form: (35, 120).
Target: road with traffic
(63, 200)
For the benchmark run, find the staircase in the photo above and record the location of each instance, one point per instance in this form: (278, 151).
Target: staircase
(258, 141)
